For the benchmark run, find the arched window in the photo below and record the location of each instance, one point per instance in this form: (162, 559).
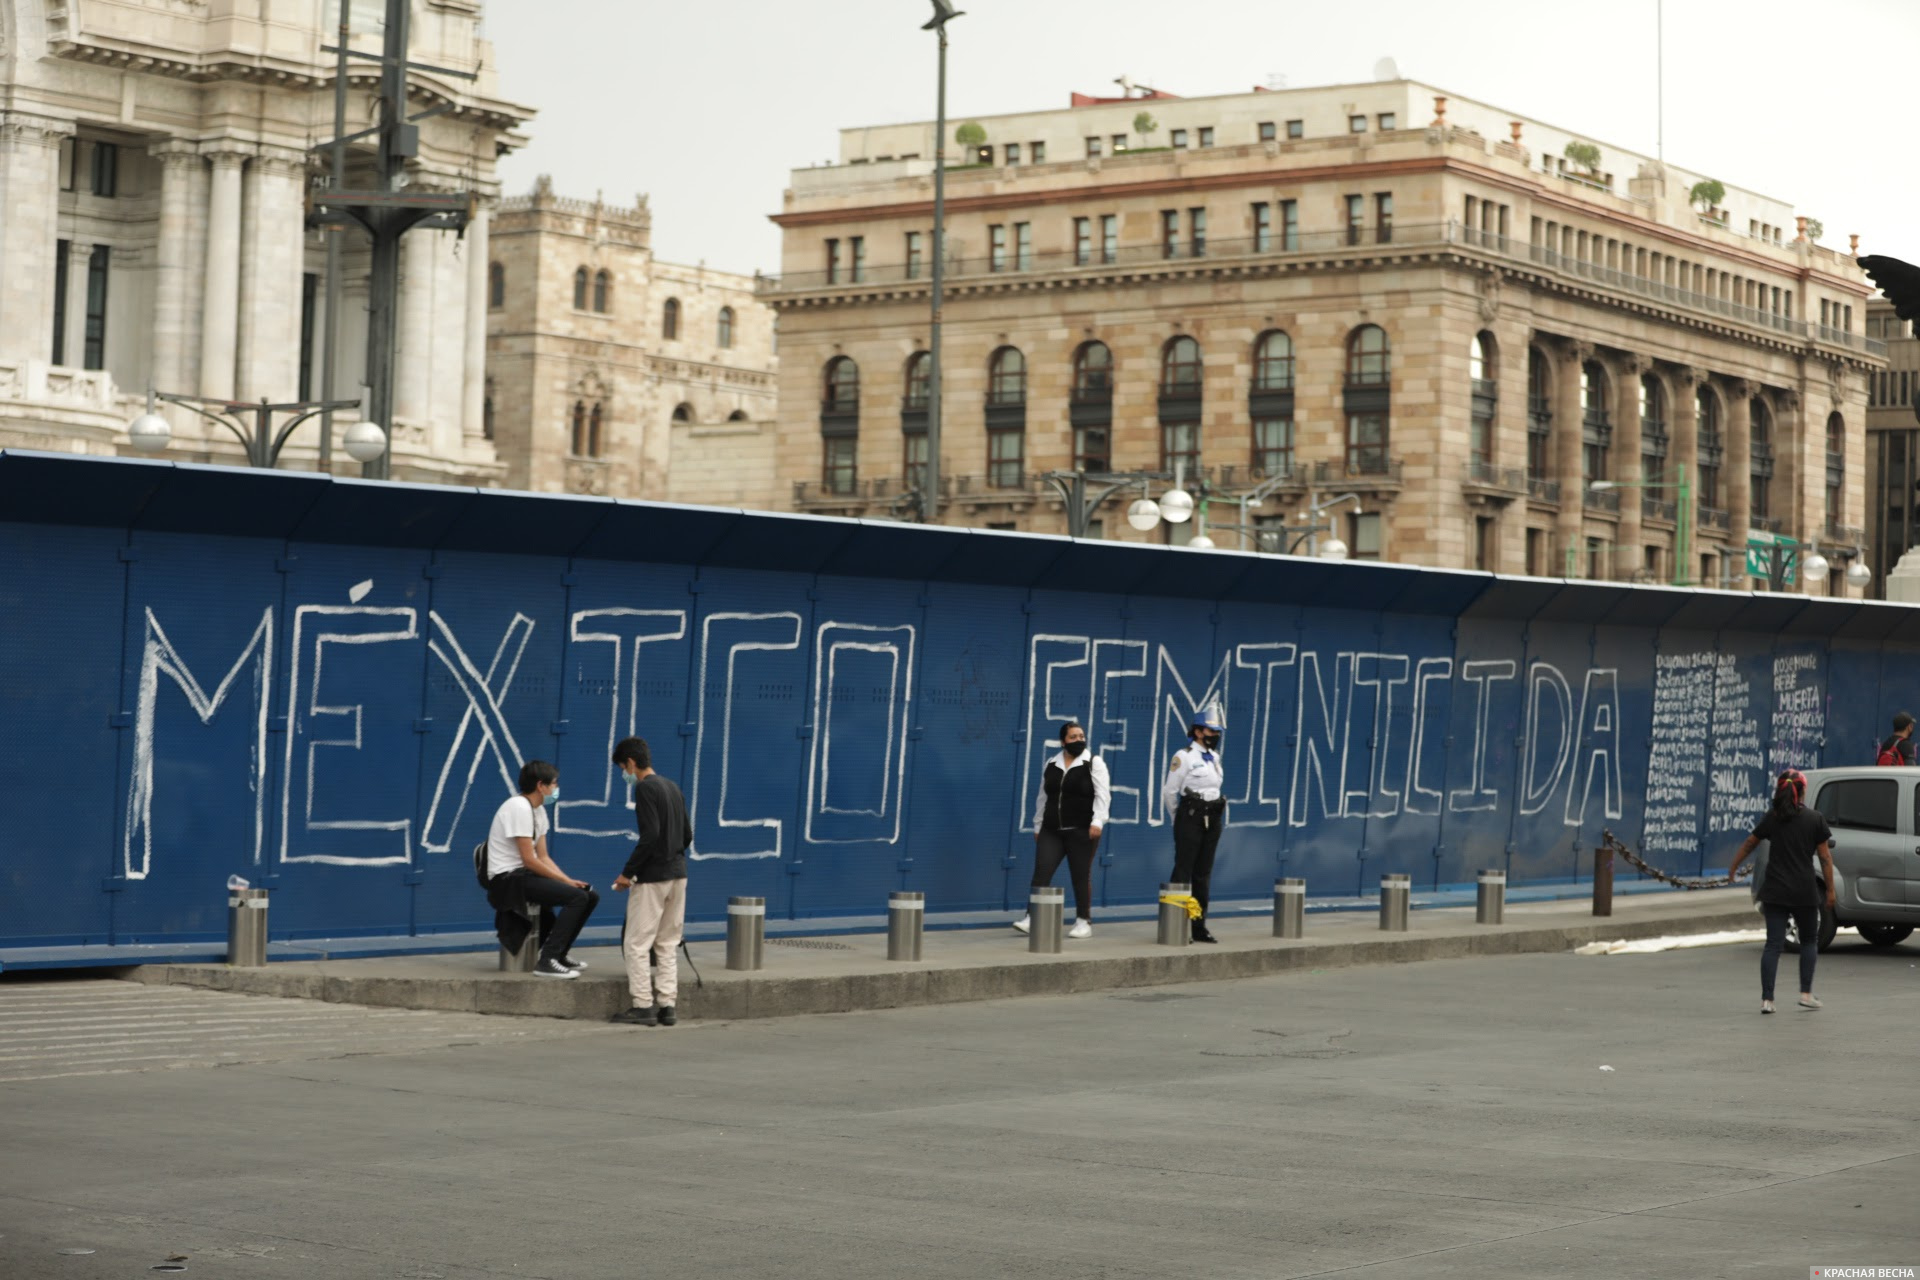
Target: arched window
(580, 281)
(579, 429)
(726, 328)
(486, 412)
(1007, 377)
(1273, 362)
(1270, 405)
(1367, 401)
(738, 415)
(1368, 362)
(1712, 451)
(683, 412)
(1836, 469)
(1180, 369)
(1091, 409)
(670, 320)
(602, 286)
(1483, 389)
(595, 420)
(1596, 422)
(839, 426)
(1006, 419)
(1760, 458)
(1653, 437)
(919, 382)
(1539, 417)
(496, 285)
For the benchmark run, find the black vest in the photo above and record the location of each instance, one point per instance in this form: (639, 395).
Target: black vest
(1069, 795)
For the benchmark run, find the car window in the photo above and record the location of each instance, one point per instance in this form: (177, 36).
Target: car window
(1861, 804)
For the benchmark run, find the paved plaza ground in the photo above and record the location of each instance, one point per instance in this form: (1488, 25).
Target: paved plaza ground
(1437, 1119)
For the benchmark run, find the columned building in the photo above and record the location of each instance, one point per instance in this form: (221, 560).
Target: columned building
(610, 372)
(154, 176)
(1893, 445)
(1499, 344)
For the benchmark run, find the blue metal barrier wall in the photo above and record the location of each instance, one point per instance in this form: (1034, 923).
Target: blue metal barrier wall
(327, 686)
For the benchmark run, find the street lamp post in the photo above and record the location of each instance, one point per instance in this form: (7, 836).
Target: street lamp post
(943, 13)
(151, 433)
(1085, 492)
(1683, 517)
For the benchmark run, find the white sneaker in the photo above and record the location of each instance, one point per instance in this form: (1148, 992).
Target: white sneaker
(1021, 925)
(1081, 929)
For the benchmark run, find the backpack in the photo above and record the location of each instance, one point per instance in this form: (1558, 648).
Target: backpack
(1890, 753)
(480, 865)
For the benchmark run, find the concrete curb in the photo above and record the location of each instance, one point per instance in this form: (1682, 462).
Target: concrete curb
(769, 995)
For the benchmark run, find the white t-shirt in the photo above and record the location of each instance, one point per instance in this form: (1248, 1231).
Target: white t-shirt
(514, 818)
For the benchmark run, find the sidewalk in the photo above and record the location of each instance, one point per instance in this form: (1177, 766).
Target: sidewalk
(844, 972)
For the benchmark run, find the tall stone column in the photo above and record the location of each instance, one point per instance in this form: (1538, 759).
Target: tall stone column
(413, 364)
(30, 198)
(474, 384)
(1629, 556)
(79, 267)
(1683, 444)
(1799, 470)
(1739, 468)
(179, 163)
(271, 261)
(1510, 441)
(1568, 469)
(220, 312)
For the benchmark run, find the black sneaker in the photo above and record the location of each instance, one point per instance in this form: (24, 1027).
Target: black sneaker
(667, 1015)
(553, 969)
(1201, 933)
(578, 966)
(635, 1017)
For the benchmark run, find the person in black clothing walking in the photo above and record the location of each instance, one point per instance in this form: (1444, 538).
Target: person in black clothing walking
(655, 879)
(1795, 835)
(1067, 820)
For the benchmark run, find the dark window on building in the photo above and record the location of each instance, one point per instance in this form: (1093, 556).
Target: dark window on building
(857, 248)
(1268, 131)
(1836, 468)
(96, 333)
(1006, 418)
(1178, 138)
(839, 425)
(1653, 433)
(1369, 375)
(1711, 448)
(1197, 231)
(1119, 141)
(106, 169)
(1206, 135)
(839, 460)
(1110, 238)
(1486, 557)
(1273, 362)
(1296, 129)
(1356, 218)
(595, 421)
(581, 283)
(670, 320)
(1082, 241)
(1038, 151)
(1262, 227)
(1023, 246)
(1760, 458)
(1539, 420)
(579, 423)
(1169, 233)
(1484, 392)
(913, 255)
(1180, 369)
(1383, 216)
(1006, 456)
(1093, 374)
(496, 285)
(1290, 225)
(833, 261)
(602, 290)
(1388, 120)
(486, 412)
(919, 381)
(1180, 448)
(1596, 423)
(1091, 407)
(997, 247)
(1093, 146)
(62, 269)
(1272, 447)
(309, 307)
(1007, 378)
(1013, 153)
(725, 329)
(1356, 124)
(842, 386)
(1364, 540)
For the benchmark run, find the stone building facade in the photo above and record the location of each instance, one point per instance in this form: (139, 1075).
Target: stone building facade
(1373, 290)
(154, 176)
(609, 372)
(1893, 444)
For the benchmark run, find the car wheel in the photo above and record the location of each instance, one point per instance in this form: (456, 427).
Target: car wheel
(1884, 935)
(1829, 927)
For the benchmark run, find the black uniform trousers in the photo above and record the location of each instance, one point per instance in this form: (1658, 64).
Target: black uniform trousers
(1076, 846)
(1196, 832)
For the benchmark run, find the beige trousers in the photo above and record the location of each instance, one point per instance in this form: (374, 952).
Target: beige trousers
(656, 917)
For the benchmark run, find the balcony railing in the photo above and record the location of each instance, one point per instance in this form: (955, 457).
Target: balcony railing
(1247, 476)
(816, 493)
(1771, 524)
(1712, 518)
(1844, 535)
(1652, 508)
(1358, 473)
(1541, 489)
(1485, 476)
(1407, 238)
(1603, 500)
(982, 489)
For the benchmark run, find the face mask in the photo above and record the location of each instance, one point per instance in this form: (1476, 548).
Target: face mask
(1075, 748)
(553, 795)
(1211, 740)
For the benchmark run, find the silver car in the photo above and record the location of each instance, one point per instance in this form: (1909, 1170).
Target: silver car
(1874, 812)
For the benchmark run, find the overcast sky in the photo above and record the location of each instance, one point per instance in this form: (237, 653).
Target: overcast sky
(706, 105)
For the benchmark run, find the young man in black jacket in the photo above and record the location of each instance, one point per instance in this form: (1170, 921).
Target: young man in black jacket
(655, 879)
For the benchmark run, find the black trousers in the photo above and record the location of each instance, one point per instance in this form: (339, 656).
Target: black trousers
(1076, 846)
(574, 906)
(1807, 921)
(1196, 832)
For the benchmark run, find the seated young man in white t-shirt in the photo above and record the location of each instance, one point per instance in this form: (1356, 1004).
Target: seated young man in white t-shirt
(517, 846)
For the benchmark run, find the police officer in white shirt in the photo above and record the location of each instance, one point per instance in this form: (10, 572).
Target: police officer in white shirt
(1067, 818)
(1194, 796)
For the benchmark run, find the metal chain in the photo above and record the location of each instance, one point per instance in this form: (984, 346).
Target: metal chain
(1612, 843)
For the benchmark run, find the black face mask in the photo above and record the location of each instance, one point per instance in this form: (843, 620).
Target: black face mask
(1073, 749)
(1211, 741)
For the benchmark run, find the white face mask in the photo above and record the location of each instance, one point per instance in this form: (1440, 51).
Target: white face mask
(553, 795)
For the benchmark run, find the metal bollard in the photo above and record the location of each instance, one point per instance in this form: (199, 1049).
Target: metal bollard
(1491, 904)
(1395, 892)
(1290, 908)
(906, 922)
(523, 960)
(746, 932)
(1046, 907)
(1176, 926)
(1603, 881)
(246, 928)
